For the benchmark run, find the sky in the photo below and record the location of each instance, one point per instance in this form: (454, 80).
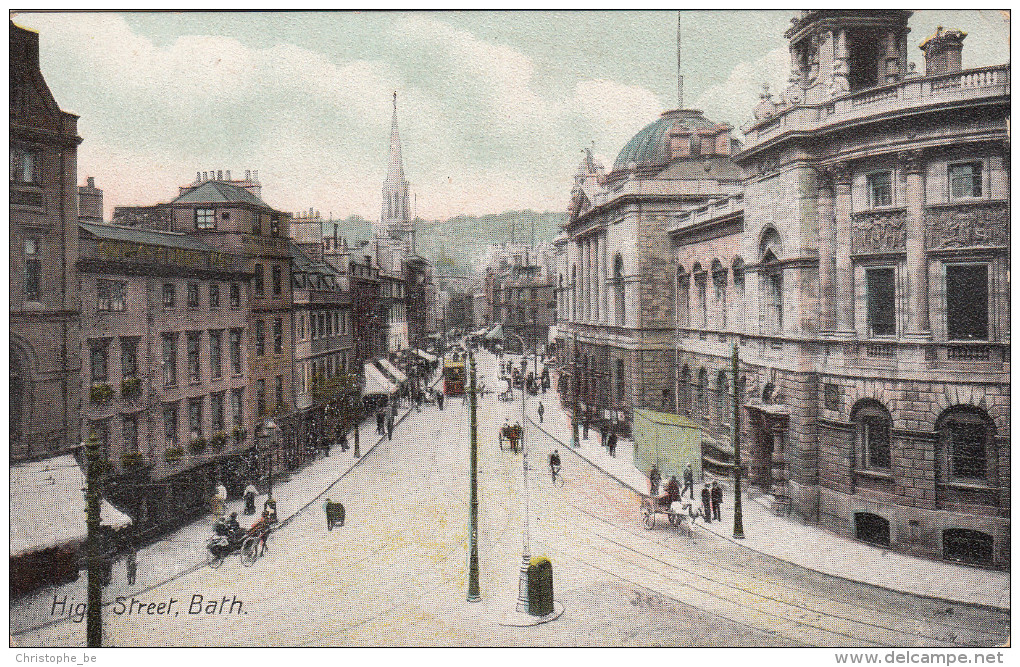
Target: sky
(494, 107)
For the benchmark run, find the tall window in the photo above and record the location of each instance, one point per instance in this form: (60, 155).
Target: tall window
(192, 295)
(329, 324)
(235, 295)
(236, 407)
(772, 285)
(260, 389)
(235, 351)
(573, 293)
(738, 288)
(277, 280)
(873, 425)
(256, 224)
(719, 283)
(965, 180)
(170, 423)
(683, 285)
(195, 417)
(279, 392)
(214, 295)
(278, 335)
(879, 189)
(33, 270)
(169, 297)
(312, 326)
(260, 337)
(722, 398)
(169, 359)
(620, 380)
(685, 391)
(881, 285)
(205, 218)
(216, 353)
(966, 443)
(619, 303)
(967, 301)
(216, 411)
(130, 433)
(99, 356)
(701, 283)
(274, 226)
(260, 288)
(24, 163)
(701, 398)
(129, 357)
(194, 360)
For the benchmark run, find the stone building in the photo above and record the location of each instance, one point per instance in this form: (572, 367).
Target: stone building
(863, 273)
(616, 271)
(521, 295)
(230, 216)
(45, 366)
(165, 344)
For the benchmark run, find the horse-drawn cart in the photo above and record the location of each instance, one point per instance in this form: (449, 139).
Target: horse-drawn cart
(510, 437)
(679, 513)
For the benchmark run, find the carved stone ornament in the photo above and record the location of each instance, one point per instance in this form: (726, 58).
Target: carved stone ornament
(966, 225)
(879, 232)
(841, 173)
(911, 161)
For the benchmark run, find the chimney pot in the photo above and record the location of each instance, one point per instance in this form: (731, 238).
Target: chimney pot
(205, 176)
(92, 182)
(228, 174)
(219, 175)
(198, 177)
(247, 174)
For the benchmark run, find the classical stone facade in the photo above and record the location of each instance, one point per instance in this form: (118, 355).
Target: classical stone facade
(868, 255)
(45, 365)
(616, 270)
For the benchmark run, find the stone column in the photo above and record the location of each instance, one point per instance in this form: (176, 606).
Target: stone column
(826, 251)
(596, 292)
(842, 176)
(917, 261)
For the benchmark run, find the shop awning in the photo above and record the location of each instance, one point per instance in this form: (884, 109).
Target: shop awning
(48, 505)
(496, 333)
(426, 356)
(376, 382)
(397, 374)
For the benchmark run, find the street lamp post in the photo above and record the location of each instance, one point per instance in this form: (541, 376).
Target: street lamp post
(268, 429)
(738, 519)
(474, 593)
(522, 587)
(576, 387)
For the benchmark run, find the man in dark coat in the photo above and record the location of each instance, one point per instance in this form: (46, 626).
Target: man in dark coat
(380, 421)
(389, 428)
(653, 479)
(716, 501)
(706, 504)
(688, 481)
(612, 443)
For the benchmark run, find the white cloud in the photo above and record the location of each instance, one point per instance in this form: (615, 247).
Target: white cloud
(734, 100)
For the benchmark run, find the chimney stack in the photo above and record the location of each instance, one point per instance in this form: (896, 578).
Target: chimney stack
(219, 175)
(247, 174)
(198, 177)
(943, 52)
(228, 174)
(205, 176)
(91, 180)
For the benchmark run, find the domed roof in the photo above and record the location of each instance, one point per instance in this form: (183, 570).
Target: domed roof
(650, 146)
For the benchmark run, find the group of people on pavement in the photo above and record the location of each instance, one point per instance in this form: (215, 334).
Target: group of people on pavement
(711, 494)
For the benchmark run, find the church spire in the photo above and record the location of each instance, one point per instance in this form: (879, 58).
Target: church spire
(395, 176)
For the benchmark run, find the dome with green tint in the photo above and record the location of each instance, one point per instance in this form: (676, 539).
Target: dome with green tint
(650, 146)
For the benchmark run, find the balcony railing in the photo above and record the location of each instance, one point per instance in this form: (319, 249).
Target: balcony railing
(910, 93)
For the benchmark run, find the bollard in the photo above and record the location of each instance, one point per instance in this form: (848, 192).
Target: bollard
(540, 586)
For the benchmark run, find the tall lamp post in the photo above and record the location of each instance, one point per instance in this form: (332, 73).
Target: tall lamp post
(575, 386)
(522, 588)
(738, 519)
(474, 593)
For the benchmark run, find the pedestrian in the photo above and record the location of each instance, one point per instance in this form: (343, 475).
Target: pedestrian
(131, 565)
(343, 442)
(334, 514)
(603, 432)
(716, 501)
(327, 444)
(389, 428)
(706, 503)
(219, 499)
(439, 399)
(653, 479)
(269, 509)
(612, 443)
(586, 427)
(688, 481)
(380, 421)
(249, 498)
(541, 412)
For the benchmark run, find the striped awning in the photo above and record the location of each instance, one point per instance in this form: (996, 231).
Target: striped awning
(376, 382)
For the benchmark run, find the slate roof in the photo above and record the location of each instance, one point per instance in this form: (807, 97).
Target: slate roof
(147, 236)
(217, 192)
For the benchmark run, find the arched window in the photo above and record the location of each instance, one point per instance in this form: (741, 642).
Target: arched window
(700, 285)
(966, 445)
(719, 283)
(619, 302)
(573, 293)
(685, 391)
(873, 442)
(738, 289)
(683, 290)
(702, 400)
(722, 398)
(771, 283)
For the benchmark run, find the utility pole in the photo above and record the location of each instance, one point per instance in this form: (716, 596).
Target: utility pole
(574, 381)
(94, 605)
(474, 594)
(738, 519)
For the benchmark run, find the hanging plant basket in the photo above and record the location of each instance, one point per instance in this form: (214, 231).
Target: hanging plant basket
(100, 393)
(131, 387)
(174, 454)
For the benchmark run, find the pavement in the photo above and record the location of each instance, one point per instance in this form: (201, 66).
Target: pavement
(183, 551)
(784, 538)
